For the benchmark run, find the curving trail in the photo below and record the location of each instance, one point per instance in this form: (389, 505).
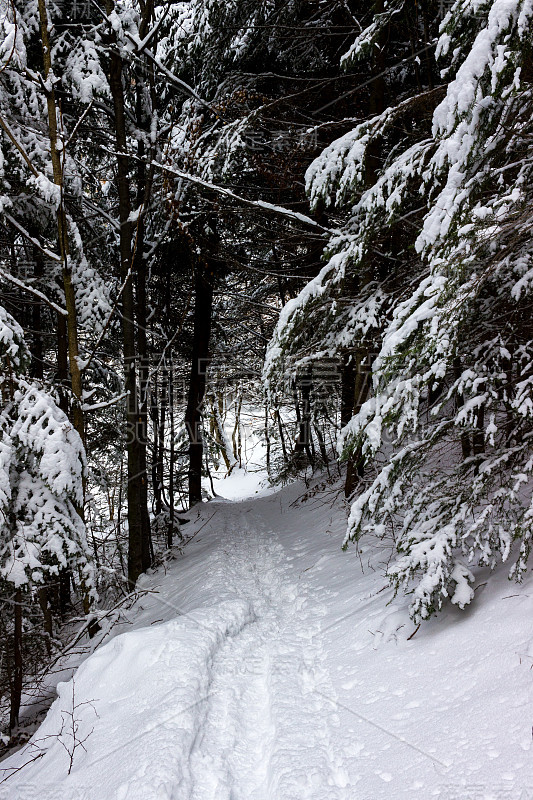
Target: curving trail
(267, 731)
(216, 693)
(262, 663)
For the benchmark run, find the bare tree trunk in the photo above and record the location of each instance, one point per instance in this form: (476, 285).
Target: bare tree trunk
(321, 445)
(119, 515)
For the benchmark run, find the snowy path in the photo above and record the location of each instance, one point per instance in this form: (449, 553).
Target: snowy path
(267, 732)
(252, 724)
(265, 664)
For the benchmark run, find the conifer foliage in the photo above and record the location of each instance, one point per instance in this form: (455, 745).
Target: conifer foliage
(42, 466)
(447, 427)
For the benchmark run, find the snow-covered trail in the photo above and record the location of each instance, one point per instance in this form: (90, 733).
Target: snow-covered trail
(267, 732)
(245, 719)
(265, 664)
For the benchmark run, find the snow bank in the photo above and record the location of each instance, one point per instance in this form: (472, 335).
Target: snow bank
(137, 705)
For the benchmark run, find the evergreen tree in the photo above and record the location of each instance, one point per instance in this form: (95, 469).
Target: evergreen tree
(42, 464)
(447, 426)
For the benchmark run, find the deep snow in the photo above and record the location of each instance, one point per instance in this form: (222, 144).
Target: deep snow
(266, 664)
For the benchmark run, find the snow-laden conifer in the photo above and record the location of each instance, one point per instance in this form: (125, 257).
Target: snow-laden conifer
(42, 464)
(448, 425)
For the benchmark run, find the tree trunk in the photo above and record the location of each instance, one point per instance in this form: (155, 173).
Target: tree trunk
(71, 339)
(321, 445)
(161, 439)
(281, 436)
(267, 440)
(347, 388)
(236, 435)
(62, 364)
(56, 151)
(144, 188)
(171, 512)
(37, 370)
(154, 414)
(203, 310)
(16, 683)
(44, 602)
(356, 382)
(138, 532)
(303, 415)
(221, 437)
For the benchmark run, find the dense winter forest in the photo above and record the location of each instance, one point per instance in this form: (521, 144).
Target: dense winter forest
(280, 236)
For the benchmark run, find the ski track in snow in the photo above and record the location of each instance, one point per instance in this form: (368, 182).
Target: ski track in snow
(265, 664)
(252, 726)
(266, 732)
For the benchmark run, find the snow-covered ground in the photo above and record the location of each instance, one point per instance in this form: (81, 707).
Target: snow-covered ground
(242, 483)
(266, 664)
